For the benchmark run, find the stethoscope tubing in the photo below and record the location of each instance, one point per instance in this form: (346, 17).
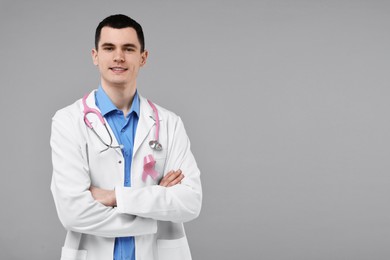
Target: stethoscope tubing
(154, 144)
(156, 134)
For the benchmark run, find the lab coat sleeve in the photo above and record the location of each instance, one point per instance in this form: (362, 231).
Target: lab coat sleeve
(76, 208)
(179, 203)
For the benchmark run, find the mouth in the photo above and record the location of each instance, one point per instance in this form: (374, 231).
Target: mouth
(118, 69)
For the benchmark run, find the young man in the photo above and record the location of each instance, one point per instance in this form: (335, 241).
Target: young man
(124, 178)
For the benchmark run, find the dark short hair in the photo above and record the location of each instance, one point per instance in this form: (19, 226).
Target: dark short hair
(120, 21)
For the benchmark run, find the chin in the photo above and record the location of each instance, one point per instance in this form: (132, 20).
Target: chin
(118, 82)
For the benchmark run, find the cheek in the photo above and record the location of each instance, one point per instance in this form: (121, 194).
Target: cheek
(103, 60)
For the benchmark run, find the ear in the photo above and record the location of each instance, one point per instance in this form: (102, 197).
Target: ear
(144, 57)
(94, 55)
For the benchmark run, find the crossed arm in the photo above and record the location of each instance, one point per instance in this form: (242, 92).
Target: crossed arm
(137, 210)
(108, 197)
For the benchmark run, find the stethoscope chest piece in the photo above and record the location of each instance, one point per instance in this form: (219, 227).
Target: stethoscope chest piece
(155, 145)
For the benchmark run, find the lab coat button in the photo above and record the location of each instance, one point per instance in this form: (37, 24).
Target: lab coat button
(120, 161)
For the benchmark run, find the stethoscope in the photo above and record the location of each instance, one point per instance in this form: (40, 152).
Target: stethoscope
(154, 144)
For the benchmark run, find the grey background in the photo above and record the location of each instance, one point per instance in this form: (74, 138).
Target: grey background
(286, 104)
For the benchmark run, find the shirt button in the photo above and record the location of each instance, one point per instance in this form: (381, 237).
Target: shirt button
(123, 130)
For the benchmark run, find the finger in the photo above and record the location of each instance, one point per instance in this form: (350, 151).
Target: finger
(163, 181)
(172, 175)
(176, 181)
(169, 174)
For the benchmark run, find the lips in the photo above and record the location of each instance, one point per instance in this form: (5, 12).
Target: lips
(118, 69)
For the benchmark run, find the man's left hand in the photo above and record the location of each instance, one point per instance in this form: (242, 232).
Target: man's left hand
(108, 197)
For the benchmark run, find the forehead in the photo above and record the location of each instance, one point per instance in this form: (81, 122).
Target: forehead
(118, 36)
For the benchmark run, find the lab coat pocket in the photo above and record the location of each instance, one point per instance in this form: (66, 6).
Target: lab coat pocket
(176, 249)
(73, 254)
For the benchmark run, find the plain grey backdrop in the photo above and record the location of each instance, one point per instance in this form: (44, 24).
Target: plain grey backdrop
(286, 104)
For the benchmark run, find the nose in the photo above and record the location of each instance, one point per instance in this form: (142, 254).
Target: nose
(119, 56)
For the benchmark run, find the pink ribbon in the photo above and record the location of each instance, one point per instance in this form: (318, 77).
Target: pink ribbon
(149, 163)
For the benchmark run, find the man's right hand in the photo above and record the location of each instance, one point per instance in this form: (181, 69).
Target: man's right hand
(172, 178)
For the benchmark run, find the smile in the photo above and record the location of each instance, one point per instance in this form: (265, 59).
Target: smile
(118, 69)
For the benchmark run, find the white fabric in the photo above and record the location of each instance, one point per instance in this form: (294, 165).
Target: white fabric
(151, 213)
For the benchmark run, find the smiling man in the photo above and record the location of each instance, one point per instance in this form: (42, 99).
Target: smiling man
(124, 178)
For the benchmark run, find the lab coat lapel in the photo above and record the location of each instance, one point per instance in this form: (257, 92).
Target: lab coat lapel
(145, 124)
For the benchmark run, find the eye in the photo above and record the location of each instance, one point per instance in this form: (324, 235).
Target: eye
(129, 49)
(108, 48)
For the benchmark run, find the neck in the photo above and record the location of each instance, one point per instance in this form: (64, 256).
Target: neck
(121, 96)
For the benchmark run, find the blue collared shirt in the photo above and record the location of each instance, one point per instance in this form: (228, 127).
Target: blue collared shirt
(124, 128)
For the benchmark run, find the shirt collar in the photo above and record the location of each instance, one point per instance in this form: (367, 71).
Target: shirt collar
(104, 103)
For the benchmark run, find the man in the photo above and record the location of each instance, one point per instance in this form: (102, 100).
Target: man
(118, 194)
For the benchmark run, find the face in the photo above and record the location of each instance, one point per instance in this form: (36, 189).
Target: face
(119, 57)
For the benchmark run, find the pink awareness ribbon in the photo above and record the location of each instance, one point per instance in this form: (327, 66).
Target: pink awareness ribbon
(149, 163)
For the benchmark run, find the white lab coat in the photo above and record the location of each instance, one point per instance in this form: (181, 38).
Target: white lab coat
(151, 213)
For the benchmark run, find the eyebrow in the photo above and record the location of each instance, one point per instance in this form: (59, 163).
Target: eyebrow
(127, 45)
(131, 45)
